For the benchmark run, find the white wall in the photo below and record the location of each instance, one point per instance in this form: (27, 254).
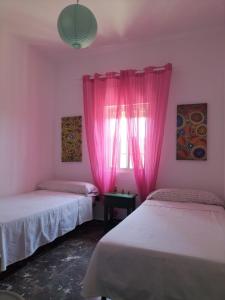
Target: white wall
(198, 76)
(26, 116)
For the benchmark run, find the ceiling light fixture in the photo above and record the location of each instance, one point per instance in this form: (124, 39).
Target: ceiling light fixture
(77, 26)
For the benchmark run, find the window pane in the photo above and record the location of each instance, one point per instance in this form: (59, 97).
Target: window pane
(131, 166)
(123, 143)
(124, 155)
(112, 128)
(142, 132)
(123, 161)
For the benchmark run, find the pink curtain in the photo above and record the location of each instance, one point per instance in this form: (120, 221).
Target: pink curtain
(142, 97)
(145, 96)
(102, 124)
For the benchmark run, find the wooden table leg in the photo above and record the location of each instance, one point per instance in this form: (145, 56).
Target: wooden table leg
(133, 206)
(111, 214)
(128, 211)
(106, 220)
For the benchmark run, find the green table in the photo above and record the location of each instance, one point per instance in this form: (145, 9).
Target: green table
(117, 200)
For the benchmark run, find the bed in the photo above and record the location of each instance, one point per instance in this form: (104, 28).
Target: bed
(165, 250)
(30, 220)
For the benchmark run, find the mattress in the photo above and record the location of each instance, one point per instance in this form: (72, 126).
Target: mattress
(164, 250)
(30, 220)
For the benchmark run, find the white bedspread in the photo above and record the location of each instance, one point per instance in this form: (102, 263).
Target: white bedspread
(30, 220)
(163, 251)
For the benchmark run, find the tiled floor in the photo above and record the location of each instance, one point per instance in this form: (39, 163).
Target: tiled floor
(55, 272)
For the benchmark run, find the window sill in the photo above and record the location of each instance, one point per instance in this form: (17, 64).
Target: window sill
(124, 170)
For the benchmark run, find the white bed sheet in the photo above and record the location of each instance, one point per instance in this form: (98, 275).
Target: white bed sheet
(164, 250)
(30, 220)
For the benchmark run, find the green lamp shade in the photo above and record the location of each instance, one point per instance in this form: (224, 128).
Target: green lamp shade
(77, 26)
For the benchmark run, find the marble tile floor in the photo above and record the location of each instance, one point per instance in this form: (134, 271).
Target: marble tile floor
(56, 270)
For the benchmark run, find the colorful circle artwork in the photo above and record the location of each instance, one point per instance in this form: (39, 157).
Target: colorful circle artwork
(198, 152)
(190, 146)
(201, 130)
(192, 132)
(180, 121)
(196, 117)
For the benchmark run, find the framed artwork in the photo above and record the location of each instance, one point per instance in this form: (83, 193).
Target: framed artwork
(71, 139)
(192, 132)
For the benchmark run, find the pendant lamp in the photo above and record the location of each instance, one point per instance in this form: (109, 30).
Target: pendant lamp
(77, 26)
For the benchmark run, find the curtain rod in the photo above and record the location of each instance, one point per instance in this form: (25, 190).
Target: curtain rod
(117, 74)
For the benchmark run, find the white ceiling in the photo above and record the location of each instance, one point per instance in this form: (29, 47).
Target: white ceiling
(118, 20)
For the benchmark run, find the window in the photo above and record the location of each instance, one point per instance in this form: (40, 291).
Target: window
(125, 159)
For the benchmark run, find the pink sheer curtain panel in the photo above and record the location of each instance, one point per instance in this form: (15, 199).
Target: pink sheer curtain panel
(145, 96)
(101, 110)
(142, 98)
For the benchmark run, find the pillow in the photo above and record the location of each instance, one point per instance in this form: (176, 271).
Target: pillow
(186, 195)
(76, 187)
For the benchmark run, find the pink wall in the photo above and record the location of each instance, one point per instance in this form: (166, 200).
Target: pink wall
(26, 117)
(198, 76)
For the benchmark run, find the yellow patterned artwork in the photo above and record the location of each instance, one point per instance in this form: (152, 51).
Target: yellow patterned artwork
(71, 139)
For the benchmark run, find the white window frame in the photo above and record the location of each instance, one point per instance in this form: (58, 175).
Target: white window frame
(128, 166)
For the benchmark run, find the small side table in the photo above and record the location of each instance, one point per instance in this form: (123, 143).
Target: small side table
(116, 200)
